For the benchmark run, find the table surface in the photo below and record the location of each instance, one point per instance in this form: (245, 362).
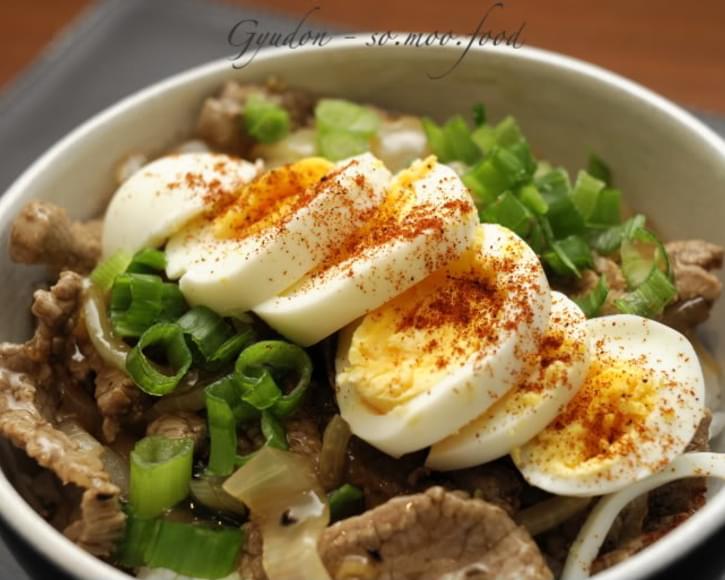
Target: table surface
(673, 47)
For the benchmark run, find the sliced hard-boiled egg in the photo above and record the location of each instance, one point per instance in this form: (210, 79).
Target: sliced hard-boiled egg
(427, 220)
(281, 226)
(638, 408)
(165, 195)
(523, 412)
(434, 358)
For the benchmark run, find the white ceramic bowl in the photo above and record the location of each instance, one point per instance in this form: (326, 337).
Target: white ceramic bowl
(668, 164)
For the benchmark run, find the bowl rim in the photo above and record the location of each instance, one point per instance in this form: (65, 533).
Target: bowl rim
(34, 530)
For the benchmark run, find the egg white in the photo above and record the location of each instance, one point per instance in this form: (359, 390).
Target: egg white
(165, 195)
(232, 275)
(323, 302)
(520, 415)
(668, 428)
(467, 391)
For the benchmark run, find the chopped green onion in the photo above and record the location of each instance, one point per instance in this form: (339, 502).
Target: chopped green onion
(640, 252)
(508, 211)
(193, 550)
(208, 491)
(508, 132)
(531, 198)
(585, 194)
(479, 114)
(598, 169)
(211, 336)
(554, 183)
(151, 377)
(452, 141)
(608, 240)
(503, 169)
(484, 137)
(591, 302)
(344, 128)
(140, 300)
(345, 501)
(568, 256)
(224, 409)
(105, 273)
(278, 358)
(160, 474)
(147, 261)
(264, 120)
(275, 436)
(650, 298)
(607, 209)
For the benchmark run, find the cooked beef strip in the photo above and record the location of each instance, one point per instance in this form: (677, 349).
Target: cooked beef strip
(303, 436)
(221, 123)
(30, 375)
(692, 262)
(180, 425)
(250, 562)
(42, 233)
(120, 402)
(427, 535)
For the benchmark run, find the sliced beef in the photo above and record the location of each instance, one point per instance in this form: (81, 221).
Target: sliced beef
(250, 562)
(179, 425)
(692, 264)
(612, 273)
(428, 535)
(34, 381)
(221, 124)
(26, 427)
(42, 233)
(120, 402)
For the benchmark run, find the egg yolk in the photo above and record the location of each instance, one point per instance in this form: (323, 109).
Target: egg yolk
(605, 419)
(271, 198)
(412, 343)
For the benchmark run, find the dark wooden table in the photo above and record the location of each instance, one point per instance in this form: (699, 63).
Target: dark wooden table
(676, 48)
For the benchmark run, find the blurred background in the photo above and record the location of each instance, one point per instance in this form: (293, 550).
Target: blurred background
(675, 48)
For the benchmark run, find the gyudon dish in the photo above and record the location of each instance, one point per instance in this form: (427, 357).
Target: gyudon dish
(323, 340)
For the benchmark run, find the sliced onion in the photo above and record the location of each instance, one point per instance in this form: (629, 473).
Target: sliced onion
(400, 141)
(551, 512)
(288, 503)
(295, 146)
(208, 491)
(585, 548)
(333, 455)
(109, 347)
(165, 574)
(117, 468)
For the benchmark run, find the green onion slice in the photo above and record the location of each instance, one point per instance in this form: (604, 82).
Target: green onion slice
(345, 501)
(591, 302)
(599, 169)
(569, 256)
(212, 336)
(147, 261)
(585, 194)
(224, 410)
(650, 298)
(508, 211)
(160, 474)
(479, 114)
(274, 359)
(193, 550)
(264, 120)
(452, 141)
(151, 377)
(641, 251)
(140, 300)
(105, 273)
(608, 240)
(607, 210)
(344, 128)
